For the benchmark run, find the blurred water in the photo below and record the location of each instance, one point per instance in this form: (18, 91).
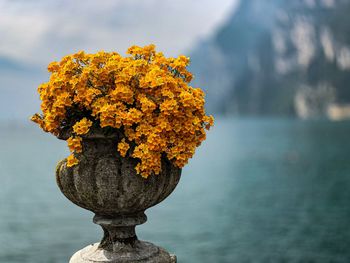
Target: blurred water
(256, 191)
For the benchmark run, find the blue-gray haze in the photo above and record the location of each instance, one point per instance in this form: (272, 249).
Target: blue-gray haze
(273, 190)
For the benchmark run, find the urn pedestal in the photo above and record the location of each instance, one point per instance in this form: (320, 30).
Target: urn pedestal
(107, 184)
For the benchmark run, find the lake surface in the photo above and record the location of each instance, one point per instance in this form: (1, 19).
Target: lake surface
(270, 190)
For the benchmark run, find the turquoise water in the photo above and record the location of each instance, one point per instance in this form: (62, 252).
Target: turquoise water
(256, 191)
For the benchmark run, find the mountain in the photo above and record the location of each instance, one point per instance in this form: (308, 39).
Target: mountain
(277, 57)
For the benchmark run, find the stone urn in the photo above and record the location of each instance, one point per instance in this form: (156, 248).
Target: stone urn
(108, 185)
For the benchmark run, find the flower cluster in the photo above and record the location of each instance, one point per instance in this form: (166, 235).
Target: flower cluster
(146, 96)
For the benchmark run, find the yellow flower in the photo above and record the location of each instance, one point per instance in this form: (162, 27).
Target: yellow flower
(82, 127)
(123, 147)
(147, 105)
(169, 106)
(122, 93)
(145, 95)
(74, 144)
(72, 160)
(53, 66)
(37, 119)
(90, 95)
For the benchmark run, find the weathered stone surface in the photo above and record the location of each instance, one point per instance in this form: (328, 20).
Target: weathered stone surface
(107, 184)
(144, 252)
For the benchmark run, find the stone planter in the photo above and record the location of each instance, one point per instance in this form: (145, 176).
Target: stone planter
(107, 184)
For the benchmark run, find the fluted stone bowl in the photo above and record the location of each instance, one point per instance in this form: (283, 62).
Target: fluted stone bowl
(107, 184)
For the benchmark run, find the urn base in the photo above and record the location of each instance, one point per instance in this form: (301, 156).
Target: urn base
(142, 252)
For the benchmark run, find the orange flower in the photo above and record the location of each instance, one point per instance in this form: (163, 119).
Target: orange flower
(82, 127)
(123, 147)
(53, 66)
(147, 105)
(37, 119)
(72, 160)
(146, 95)
(74, 144)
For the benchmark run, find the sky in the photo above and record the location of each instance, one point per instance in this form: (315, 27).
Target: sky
(34, 33)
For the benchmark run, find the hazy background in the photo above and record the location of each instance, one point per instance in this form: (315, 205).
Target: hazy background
(270, 184)
(34, 33)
